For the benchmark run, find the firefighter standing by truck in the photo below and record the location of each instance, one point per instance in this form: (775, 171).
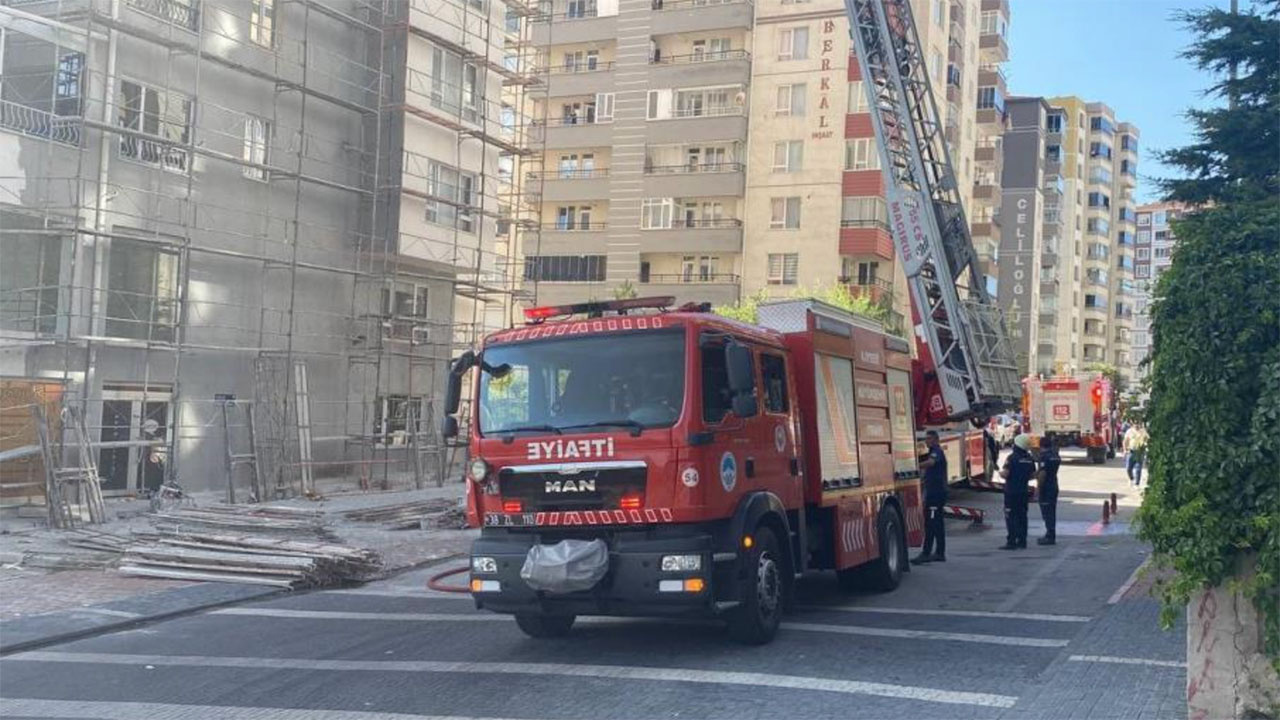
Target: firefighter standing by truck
(1017, 473)
(935, 496)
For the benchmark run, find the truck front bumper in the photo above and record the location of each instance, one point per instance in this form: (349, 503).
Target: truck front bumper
(634, 584)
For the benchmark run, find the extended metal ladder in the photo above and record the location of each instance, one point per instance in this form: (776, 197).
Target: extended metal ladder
(233, 458)
(965, 338)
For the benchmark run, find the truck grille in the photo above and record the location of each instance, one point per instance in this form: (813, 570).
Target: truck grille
(585, 488)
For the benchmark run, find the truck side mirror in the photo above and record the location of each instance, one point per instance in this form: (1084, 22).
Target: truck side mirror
(449, 426)
(453, 392)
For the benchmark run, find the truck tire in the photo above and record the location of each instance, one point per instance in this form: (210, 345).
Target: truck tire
(545, 626)
(885, 572)
(1097, 455)
(763, 591)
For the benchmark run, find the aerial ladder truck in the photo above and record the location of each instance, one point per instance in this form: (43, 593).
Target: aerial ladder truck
(627, 459)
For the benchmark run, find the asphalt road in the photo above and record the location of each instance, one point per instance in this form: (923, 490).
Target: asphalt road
(1044, 632)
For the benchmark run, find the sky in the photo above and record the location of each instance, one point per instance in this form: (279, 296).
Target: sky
(1120, 52)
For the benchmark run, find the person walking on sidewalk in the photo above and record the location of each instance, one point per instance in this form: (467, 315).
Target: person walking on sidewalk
(1050, 461)
(935, 496)
(1135, 448)
(1017, 472)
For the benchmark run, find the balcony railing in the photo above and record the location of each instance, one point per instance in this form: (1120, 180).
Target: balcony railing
(26, 120)
(575, 227)
(700, 224)
(581, 13)
(712, 111)
(180, 13)
(582, 67)
(703, 57)
(581, 120)
(714, 167)
(866, 223)
(687, 4)
(692, 278)
(574, 174)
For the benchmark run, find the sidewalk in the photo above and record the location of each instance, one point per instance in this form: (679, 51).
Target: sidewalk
(52, 592)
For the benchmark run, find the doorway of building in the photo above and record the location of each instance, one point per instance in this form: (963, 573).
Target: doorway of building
(135, 438)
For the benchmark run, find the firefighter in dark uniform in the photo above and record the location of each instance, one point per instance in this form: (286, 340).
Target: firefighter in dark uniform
(1050, 461)
(1017, 473)
(934, 466)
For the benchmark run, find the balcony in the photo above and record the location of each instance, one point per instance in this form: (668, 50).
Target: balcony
(730, 67)
(1048, 320)
(955, 87)
(992, 49)
(991, 120)
(686, 16)
(695, 234)
(716, 288)
(985, 190)
(989, 154)
(866, 238)
(993, 76)
(875, 289)
(576, 133)
(579, 79)
(703, 179)
(1094, 353)
(558, 185)
(584, 26)
(1000, 6)
(687, 125)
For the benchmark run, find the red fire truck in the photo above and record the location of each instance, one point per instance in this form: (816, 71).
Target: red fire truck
(640, 462)
(1072, 409)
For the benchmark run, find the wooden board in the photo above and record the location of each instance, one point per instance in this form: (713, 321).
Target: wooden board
(22, 479)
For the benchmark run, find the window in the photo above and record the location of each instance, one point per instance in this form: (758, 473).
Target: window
(1128, 167)
(857, 97)
(656, 213)
(990, 97)
(939, 12)
(773, 370)
(1162, 235)
(993, 23)
(781, 268)
(162, 115)
(784, 213)
(455, 191)
(577, 9)
(398, 416)
(454, 84)
(1054, 122)
(861, 154)
(257, 141)
(1143, 271)
(1102, 125)
(1159, 218)
(1053, 153)
(864, 212)
(262, 15)
(935, 66)
(1144, 218)
(67, 88)
(1100, 174)
(1129, 142)
(717, 399)
(788, 156)
(868, 272)
(698, 268)
(564, 268)
(604, 107)
(793, 43)
(1144, 236)
(705, 102)
(790, 100)
(1162, 252)
(573, 217)
(142, 291)
(1144, 253)
(1099, 149)
(29, 275)
(1099, 200)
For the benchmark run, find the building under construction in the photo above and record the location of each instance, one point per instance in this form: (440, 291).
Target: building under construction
(239, 242)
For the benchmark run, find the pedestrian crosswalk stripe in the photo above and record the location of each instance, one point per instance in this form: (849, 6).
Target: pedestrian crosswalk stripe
(551, 671)
(104, 710)
(954, 613)
(1127, 660)
(486, 617)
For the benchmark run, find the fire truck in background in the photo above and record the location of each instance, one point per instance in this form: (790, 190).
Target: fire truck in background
(1074, 410)
(626, 460)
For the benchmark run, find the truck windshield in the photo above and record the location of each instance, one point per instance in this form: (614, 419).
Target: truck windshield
(583, 384)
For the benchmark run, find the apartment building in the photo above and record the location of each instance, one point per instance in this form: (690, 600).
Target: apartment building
(645, 133)
(1029, 235)
(816, 214)
(245, 227)
(1153, 254)
(1096, 158)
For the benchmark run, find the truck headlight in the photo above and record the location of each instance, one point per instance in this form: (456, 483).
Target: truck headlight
(480, 564)
(681, 563)
(478, 469)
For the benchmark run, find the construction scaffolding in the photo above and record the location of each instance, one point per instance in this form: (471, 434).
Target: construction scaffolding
(227, 242)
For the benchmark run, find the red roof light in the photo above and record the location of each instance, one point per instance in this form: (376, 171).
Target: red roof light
(596, 309)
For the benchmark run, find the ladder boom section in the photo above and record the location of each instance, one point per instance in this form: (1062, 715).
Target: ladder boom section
(964, 338)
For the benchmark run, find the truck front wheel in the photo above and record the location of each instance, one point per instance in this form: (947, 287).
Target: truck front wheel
(756, 620)
(545, 626)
